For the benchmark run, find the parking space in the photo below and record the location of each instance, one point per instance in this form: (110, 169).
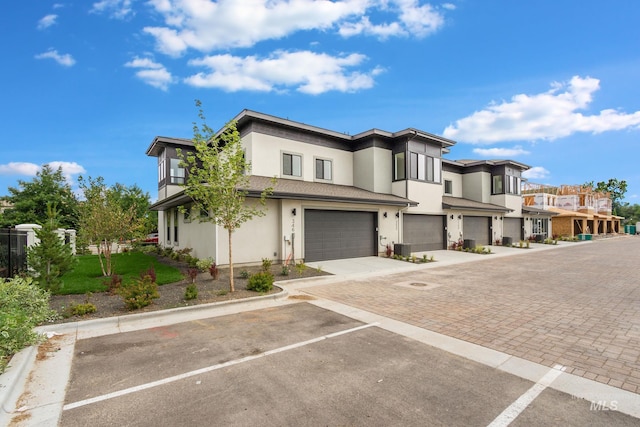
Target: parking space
(293, 365)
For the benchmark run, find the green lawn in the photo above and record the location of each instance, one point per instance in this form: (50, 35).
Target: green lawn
(87, 275)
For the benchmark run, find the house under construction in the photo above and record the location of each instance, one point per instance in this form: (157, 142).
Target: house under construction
(580, 209)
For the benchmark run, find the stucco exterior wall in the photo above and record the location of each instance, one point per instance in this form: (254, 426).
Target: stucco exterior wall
(456, 183)
(265, 154)
(477, 186)
(372, 169)
(428, 196)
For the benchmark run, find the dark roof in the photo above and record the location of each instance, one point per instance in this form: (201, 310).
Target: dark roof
(449, 202)
(537, 211)
(160, 142)
(302, 190)
(495, 162)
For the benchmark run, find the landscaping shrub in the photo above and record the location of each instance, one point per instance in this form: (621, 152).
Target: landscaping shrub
(193, 274)
(266, 265)
(191, 292)
(260, 282)
(23, 305)
(139, 293)
(80, 309)
(285, 270)
(204, 264)
(113, 283)
(213, 271)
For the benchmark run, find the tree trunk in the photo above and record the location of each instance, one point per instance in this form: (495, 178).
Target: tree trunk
(231, 285)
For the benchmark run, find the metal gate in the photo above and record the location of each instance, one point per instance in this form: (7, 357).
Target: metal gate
(13, 252)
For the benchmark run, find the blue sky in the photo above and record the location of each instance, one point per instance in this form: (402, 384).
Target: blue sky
(549, 83)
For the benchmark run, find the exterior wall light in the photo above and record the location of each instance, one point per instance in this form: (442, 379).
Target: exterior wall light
(293, 211)
(384, 214)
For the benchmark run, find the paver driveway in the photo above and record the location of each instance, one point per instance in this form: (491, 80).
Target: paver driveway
(578, 306)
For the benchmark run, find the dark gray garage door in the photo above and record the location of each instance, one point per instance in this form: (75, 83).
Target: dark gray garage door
(338, 234)
(476, 228)
(424, 232)
(513, 228)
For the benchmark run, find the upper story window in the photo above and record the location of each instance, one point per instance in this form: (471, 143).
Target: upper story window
(177, 174)
(448, 186)
(505, 184)
(292, 165)
(324, 169)
(425, 168)
(399, 167)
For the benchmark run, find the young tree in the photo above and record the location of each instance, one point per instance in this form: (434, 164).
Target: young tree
(218, 175)
(103, 220)
(51, 258)
(29, 201)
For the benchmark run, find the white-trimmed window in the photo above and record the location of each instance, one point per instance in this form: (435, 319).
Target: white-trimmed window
(292, 165)
(324, 169)
(177, 172)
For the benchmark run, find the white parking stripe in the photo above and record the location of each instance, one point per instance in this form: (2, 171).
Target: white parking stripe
(209, 368)
(516, 408)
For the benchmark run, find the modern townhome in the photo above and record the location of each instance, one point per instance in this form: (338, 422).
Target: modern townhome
(579, 209)
(342, 196)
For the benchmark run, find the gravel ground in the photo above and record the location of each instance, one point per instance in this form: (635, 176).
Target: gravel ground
(172, 295)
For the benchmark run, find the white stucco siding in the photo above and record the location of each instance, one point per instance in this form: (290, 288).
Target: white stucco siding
(199, 236)
(456, 183)
(265, 154)
(428, 196)
(477, 186)
(256, 239)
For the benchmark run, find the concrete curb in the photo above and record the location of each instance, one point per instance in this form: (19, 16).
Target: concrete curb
(13, 380)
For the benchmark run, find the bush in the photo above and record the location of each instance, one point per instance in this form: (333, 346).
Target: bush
(191, 292)
(80, 309)
(300, 268)
(204, 264)
(285, 270)
(113, 283)
(213, 271)
(260, 282)
(244, 274)
(193, 274)
(139, 293)
(151, 272)
(266, 265)
(24, 305)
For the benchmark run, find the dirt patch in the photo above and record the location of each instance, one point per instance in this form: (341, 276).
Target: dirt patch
(172, 295)
(48, 347)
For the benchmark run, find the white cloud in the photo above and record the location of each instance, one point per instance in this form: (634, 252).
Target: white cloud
(206, 25)
(548, 115)
(69, 169)
(64, 59)
(118, 9)
(151, 72)
(449, 6)
(47, 21)
(536, 172)
(501, 152)
(308, 72)
(19, 168)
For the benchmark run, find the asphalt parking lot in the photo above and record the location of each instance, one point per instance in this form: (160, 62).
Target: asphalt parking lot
(294, 365)
(548, 337)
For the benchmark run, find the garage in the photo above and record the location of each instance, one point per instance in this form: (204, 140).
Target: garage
(423, 232)
(512, 227)
(477, 228)
(339, 234)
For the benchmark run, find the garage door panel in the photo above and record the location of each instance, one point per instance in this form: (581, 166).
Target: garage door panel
(512, 228)
(423, 232)
(476, 228)
(338, 234)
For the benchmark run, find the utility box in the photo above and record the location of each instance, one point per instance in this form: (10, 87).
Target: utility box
(468, 244)
(403, 249)
(507, 241)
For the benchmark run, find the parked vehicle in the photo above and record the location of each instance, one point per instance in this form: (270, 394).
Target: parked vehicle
(151, 239)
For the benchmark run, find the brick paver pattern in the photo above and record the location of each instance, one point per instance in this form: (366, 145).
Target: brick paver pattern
(578, 306)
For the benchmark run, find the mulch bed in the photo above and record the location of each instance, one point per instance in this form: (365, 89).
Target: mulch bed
(172, 295)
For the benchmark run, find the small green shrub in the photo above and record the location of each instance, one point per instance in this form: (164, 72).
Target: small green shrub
(266, 265)
(285, 270)
(300, 268)
(260, 282)
(147, 249)
(82, 309)
(23, 306)
(204, 264)
(191, 292)
(139, 293)
(244, 274)
(222, 292)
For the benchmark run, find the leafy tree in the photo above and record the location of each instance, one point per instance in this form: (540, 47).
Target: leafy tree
(134, 198)
(51, 258)
(104, 221)
(631, 213)
(29, 201)
(217, 178)
(616, 188)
